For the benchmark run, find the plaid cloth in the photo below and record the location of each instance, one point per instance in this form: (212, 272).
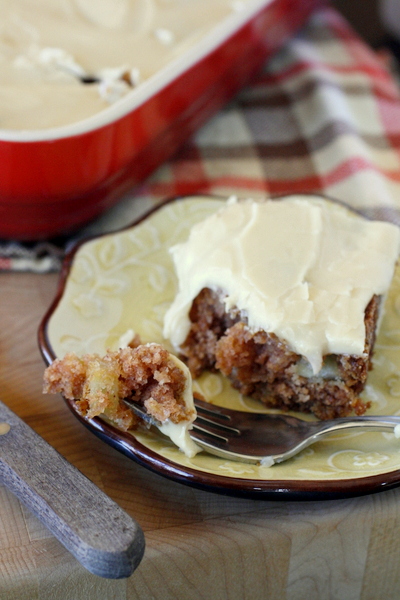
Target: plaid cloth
(324, 116)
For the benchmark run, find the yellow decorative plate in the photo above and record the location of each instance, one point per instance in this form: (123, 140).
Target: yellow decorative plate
(125, 281)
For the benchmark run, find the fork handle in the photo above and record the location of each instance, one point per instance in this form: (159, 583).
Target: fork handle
(103, 537)
(366, 422)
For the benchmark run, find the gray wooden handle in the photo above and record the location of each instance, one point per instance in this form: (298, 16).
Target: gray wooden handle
(103, 537)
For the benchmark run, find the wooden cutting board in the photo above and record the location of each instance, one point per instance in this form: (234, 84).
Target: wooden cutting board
(198, 544)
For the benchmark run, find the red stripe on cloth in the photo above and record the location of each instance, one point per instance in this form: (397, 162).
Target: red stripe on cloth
(304, 185)
(380, 82)
(367, 61)
(188, 165)
(390, 118)
(5, 264)
(373, 71)
(364, 59)
(315, 182)
(346, 169)
(243, 185)
(166, 189)
(353, 166)
(311, 183)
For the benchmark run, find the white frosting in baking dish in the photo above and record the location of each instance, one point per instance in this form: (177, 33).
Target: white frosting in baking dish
(304, 268)
(48, 46)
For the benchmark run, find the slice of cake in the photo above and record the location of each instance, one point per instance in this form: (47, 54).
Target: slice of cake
(146, 374)
(283, 297)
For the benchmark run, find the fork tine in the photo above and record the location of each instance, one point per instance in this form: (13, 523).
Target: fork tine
(141, 412)
(213, 420)
(213, 428)
(216, 413)
(207, 437)
(204, 423)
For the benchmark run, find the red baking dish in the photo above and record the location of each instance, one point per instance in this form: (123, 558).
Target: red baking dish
(54, 180)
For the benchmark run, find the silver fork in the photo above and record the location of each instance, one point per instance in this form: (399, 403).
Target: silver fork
(262, 438)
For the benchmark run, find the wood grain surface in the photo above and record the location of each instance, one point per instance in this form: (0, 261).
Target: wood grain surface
(198, 545)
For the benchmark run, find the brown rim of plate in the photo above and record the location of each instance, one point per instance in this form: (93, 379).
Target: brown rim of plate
(251, 488)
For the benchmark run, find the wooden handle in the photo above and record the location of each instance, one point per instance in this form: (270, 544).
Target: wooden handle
(103, 537)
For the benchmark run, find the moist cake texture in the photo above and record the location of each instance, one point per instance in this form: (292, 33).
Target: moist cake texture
(264, 367)
(146, 374)
(284, 299)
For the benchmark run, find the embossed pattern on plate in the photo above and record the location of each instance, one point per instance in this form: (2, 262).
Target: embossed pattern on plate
(125, 280)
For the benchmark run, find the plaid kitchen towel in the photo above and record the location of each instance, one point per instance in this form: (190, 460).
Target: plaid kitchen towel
(324, 116)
